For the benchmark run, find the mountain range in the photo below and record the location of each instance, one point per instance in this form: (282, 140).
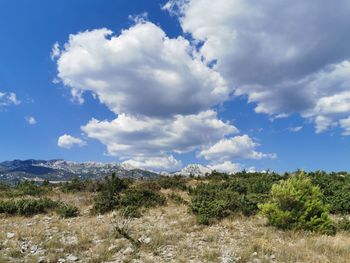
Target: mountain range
(60, 170)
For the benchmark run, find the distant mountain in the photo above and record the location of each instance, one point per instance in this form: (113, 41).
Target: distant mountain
(60, 170)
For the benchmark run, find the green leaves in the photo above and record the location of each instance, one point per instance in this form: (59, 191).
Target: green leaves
(298, 204)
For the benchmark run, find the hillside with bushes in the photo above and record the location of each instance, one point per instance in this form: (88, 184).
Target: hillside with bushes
(245, 217)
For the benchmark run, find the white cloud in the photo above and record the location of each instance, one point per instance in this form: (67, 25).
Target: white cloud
(68, 141)
(128, 136)
(226, 167)
(345, 124)
(160, 89)
(30, 120)
(55, 51)
(8, 99)
(140, 72)
(238, 147)
(295, 129)
(162, 163)
(285, 56)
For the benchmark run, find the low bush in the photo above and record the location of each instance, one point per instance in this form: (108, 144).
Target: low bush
(344, 223)
(335, 188)
(173, 182)
(297, 204)
(78, 185)
(141, 198)
(108, 198)
(27, 207)
(177, 198)
(213, 201)
(67, 211)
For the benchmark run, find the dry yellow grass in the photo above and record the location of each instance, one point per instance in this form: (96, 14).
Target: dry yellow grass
(166, 234)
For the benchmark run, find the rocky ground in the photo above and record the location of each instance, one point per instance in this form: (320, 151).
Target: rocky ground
(163, 234)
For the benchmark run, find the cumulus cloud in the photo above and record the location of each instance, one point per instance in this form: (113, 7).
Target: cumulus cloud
(345, 124)
(128, 136)
(226, 167)
(285, 56)
(140, 72)
(163, 163)
(30, 120)
(238, 147)
(8, 99)
(68, 141)
(160, 89)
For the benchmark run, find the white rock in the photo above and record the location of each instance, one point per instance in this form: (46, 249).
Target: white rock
(72, 258)
(10, 235)
(128, 250)
(147, 240)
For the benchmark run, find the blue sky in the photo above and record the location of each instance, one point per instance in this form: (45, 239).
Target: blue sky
(239, 89)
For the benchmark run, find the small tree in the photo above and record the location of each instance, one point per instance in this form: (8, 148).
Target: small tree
(298, 204)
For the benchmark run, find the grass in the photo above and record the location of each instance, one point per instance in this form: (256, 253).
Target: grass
(172, 234)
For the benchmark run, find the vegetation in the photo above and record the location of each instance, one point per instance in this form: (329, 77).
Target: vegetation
(26, 207)
(226, 195)
(241, 207)
(297, 204)
(66, 211)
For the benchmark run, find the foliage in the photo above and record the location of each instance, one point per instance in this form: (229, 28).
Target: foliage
(66, 210)
(344, 223)
(27, 207)
(212, 201)
(108, 198)
(141, 198)
(177, 198)
(78, 185)
(335, 188)
(224, 195)
(172, 182)
(297, 204)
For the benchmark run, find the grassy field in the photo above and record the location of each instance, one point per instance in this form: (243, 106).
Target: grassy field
(164, 233)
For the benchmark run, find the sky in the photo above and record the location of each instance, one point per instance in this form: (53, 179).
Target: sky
(230, 84)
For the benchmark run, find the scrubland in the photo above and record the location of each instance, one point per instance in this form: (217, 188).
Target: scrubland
(217, 218)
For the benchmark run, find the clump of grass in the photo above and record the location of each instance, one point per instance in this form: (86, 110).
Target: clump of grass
(67, 211)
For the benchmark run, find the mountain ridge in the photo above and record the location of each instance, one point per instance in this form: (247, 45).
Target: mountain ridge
(58, 170)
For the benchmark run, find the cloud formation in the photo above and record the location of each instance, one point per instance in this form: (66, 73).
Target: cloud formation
(8, 99)
(285, 56)
(238, 147)
(140, 72)
(160, 89)
(30, 120)
(67, 141)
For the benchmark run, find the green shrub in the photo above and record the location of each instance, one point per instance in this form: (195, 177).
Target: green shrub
(108, 198)
(173, 182)
(250, 203)
(344, 223)
(213, 201)
(66, 211)
(335, 188)
(298, 204)
(141, 198)
(177, 198)
(27, 207)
